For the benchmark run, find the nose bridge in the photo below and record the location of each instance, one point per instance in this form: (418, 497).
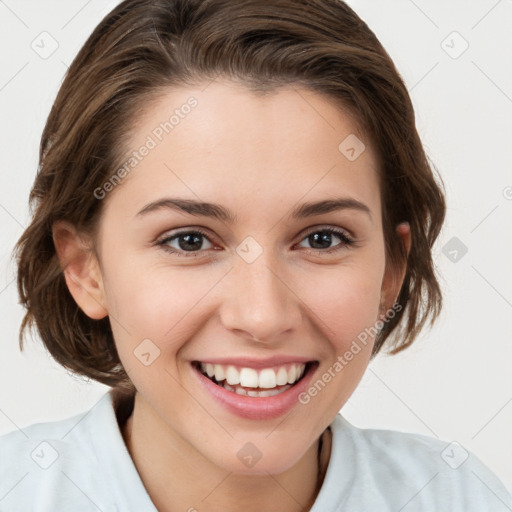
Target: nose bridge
(258, 300)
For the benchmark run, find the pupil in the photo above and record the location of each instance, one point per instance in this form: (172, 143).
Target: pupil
(191, 241)
(324, 238)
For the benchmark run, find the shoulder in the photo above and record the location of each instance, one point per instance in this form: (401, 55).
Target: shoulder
(42, 458)
(420, 472)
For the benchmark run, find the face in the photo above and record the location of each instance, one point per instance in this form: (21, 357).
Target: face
(263, 294)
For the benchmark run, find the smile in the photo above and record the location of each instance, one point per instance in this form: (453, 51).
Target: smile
(247, 381)
(252, 388)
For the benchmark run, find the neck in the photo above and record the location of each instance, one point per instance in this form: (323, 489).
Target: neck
(178, 478)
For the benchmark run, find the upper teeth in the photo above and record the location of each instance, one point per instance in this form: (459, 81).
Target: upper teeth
(251, 378)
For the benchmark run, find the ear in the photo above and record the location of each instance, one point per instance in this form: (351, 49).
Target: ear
(81, 270)
(394, 277)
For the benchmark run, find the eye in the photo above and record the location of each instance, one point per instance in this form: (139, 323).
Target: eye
(320, 239)
(186, 241)
(191, 241)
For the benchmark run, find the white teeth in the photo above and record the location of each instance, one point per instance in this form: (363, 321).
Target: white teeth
(239, 390)
(267, 378)
(282, 376)
(292, 374)
(210, 370)
(273, 392)
(219, 373)
(249, 378)
(232, 375)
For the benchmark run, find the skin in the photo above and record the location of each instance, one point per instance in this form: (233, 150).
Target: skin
(259, 156)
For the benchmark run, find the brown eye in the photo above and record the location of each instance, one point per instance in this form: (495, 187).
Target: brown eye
(321, 239)
(185, 242)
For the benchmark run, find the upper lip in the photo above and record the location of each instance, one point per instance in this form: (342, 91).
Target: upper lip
(252, 362)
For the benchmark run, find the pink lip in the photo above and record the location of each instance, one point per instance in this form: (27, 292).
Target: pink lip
(256, 408)
(250, 362)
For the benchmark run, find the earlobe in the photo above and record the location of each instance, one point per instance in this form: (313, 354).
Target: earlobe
(81, 270)
(394, 277)
(404, 231)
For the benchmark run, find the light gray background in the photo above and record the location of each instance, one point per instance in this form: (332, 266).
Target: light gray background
(455, 383)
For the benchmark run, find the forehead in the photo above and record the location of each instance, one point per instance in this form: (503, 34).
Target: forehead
(221, 142)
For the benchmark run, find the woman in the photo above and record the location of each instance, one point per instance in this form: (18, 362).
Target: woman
(234, 214)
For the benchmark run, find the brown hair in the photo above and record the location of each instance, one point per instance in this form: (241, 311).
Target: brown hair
(141, 49)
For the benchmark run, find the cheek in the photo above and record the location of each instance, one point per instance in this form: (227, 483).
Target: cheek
(155, 302)
(345, 301)
(346, 307)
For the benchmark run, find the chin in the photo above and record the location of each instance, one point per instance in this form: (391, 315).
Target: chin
(259, 458)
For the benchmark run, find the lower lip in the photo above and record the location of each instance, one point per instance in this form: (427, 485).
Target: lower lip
(257, 408)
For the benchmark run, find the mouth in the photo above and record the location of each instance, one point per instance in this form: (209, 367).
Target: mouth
(252, 382)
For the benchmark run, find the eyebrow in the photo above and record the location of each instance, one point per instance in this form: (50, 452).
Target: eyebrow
(216, 211)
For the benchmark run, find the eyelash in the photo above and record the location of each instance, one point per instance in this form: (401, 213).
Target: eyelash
(346, 241)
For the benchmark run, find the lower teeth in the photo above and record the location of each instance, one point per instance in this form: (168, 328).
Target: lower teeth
(239, 390)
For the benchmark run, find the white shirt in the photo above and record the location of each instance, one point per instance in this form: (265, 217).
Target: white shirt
(82, 464)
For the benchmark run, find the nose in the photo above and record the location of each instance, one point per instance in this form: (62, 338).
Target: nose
(259, 302)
